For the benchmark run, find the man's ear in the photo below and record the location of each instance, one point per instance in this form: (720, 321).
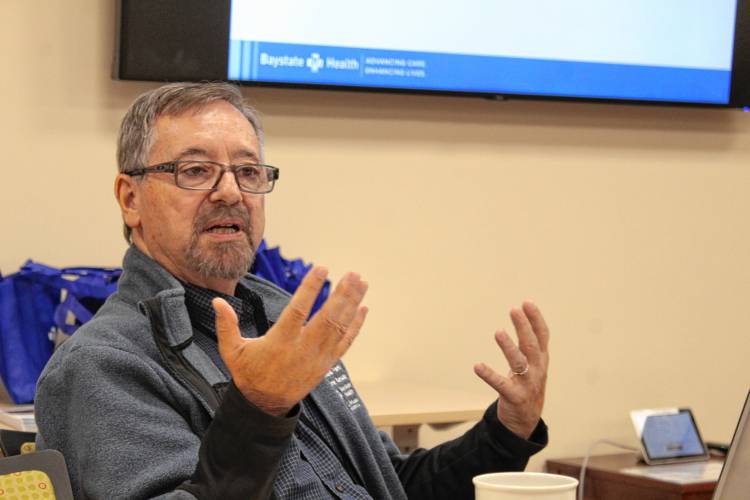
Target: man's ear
(127, 192)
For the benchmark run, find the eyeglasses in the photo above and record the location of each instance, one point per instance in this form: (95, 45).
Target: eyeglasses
(206, 175)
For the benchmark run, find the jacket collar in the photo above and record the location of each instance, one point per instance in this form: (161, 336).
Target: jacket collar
(143, 278)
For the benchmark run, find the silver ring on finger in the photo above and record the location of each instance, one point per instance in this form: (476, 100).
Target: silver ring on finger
(520, 373)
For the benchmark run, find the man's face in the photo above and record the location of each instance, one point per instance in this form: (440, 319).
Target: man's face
(207, 238)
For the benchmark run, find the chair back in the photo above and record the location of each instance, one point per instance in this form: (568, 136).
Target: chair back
(31, 475)
(16, 442)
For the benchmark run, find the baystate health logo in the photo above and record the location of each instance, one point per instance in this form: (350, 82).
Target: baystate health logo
(315, 62)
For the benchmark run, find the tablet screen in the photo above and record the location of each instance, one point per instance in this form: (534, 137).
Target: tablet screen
(669, 435)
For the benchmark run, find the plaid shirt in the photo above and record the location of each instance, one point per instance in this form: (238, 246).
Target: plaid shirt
(311, 468)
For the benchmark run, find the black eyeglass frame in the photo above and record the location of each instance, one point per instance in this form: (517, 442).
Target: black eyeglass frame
(171, 167)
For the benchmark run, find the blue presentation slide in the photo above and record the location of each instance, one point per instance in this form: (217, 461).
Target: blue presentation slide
(672, 50)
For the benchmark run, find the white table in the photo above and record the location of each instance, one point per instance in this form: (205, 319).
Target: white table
(405, 406)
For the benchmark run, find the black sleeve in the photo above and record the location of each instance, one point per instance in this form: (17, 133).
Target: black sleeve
(445, 472)
(241, 451)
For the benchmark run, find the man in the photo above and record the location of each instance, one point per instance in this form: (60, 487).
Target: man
(197, 380)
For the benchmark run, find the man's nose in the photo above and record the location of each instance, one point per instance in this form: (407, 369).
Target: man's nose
(227, 190)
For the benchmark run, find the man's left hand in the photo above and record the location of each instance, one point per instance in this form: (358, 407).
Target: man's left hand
(521, 393)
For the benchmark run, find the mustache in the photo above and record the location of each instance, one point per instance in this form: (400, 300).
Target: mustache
(211, 213)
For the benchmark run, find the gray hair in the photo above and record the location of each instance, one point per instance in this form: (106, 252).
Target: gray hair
(137, 128)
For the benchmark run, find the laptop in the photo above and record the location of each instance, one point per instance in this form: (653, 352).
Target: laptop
(734, 481)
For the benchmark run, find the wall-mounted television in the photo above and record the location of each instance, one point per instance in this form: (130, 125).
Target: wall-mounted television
(645, 51)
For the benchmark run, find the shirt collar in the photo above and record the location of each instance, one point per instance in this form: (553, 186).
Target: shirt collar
(198, 302)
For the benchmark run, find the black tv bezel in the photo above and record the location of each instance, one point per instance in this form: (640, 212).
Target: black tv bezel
(203, 33)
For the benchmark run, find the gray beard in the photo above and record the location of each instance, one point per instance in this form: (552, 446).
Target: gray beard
(227, 261)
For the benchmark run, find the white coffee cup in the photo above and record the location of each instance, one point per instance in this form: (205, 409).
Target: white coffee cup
(525, 485)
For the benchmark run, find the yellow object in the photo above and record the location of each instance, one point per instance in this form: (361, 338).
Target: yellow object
(28, 447)
(30, 476)
(26, 485)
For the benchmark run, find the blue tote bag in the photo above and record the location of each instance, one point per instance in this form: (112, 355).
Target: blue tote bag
(37, 303)
(285, 273)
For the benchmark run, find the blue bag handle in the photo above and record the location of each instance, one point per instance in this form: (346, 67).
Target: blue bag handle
(73, 306)
(81, 281)
(89, 282)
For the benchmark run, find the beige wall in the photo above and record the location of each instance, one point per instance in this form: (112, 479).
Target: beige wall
(628, 225)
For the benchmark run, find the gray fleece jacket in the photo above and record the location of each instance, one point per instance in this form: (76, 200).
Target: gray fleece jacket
(140, 411)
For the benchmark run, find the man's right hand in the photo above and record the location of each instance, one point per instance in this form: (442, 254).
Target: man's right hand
(277, 370)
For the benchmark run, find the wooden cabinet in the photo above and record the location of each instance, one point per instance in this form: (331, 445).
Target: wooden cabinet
(624, 477)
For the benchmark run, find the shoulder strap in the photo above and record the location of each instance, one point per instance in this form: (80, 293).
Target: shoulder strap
(175, 362)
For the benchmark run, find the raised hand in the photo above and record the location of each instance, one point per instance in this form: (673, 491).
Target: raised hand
(522, 391)
(279, 369)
